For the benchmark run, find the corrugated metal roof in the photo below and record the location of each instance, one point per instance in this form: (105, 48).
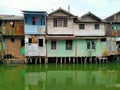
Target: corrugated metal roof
(11, 17)
(35, 12)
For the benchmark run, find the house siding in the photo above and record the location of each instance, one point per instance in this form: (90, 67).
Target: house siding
(60, 30)
(89, 30)
(82, 50)
(60, 49)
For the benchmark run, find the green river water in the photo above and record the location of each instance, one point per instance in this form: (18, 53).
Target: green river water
(60, 77)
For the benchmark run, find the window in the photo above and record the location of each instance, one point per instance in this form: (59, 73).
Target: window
(68, 44)
(22, 42)
(96, 26)
(12, 39)
(103, 40)
(91, 44)
(29, 40)
(81, 26)
(88, 45)
(65, 22)
(40, 43)
(13, 25)
(33, 20)
(53, 45)
(59, 22)
(55, 23)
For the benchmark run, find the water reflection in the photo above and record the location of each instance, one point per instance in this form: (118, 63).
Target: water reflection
(69, 77)
(60, 77)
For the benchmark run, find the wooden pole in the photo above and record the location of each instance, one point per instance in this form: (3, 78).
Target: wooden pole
(69, 59)
(61, 60)
(56, 60)
(96, 60)
(90, 60)
(36, 60)
(65, 60)
(40, 59)
(81, 60)
(85, 59)
(77, 60)
(73, 59)
(46, 60)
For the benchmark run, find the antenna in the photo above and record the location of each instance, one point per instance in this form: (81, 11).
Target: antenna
(68, 8)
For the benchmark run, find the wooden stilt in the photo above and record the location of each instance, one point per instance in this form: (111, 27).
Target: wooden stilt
(117, 58)
(46, 60)
(36, 60)
(106, 60)
(61, 60)
(69, 59)
(100, 60)
(56, 60)
(77, 60)
(30, 60)
(96, 60)
(65, 60)
(26, 60)
(73, 59)
(90, 60)
(81, 60)
(40, 59)
(85, 59)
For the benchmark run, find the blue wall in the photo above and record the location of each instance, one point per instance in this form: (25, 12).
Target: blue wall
(38, 27)
(39, 19)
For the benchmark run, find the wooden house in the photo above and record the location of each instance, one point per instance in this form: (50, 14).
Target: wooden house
(1, 51)
(90, 36)
(35, 30)
(114, 28)
(60, 34)
(13, 37)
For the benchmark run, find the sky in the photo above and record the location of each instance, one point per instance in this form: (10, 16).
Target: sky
(101, 8)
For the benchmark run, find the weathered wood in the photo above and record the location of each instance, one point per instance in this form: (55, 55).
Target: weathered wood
(56, 60)
(40, 59)
(73, 59)
(65, 60)
(61, 60)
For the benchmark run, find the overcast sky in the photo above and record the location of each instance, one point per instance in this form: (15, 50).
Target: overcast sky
(101, 8)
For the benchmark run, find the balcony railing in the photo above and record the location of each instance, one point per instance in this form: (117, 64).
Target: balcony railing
(34, 29)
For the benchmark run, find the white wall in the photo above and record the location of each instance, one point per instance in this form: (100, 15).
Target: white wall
(89, 30)
(60, 30)
(33, 49)
(73, 28)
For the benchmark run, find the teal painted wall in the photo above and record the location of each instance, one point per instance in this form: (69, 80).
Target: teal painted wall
(60, 49)
(104, 48)
(79, 49)
(83, 51)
